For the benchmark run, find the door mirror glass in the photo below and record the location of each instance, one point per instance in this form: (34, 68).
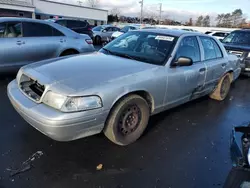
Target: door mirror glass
(184, 61)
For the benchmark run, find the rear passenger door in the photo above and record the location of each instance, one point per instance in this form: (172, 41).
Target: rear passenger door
(12, 52)
(214, 61)
(41, 41)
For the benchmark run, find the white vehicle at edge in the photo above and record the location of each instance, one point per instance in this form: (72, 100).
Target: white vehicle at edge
(220, 35)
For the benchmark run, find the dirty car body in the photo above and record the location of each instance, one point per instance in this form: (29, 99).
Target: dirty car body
(71, 97)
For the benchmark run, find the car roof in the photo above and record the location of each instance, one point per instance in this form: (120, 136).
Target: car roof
(8, 19)
(68, 19)
(63, 29)
(173, 32)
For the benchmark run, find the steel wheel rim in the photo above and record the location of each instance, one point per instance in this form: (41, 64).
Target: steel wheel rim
(129, 120)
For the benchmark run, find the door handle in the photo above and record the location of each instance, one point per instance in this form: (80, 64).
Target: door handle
(61, 40)
(20, 42)
(202, 70)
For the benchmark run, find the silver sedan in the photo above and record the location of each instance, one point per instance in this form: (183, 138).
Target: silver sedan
(116, 89)
(25, 41)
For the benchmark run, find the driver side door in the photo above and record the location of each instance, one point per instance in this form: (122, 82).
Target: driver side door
(185, 82)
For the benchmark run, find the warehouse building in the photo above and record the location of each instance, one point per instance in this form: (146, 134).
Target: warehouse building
(46, 9)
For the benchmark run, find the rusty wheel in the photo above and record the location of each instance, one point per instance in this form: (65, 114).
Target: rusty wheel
(127, 120)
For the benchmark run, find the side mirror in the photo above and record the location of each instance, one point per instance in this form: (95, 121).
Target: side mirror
(183, 61)
(104, 30)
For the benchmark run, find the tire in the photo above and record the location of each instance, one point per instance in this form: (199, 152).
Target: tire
(98, 40)
(68, 52)
(127, 120)
(222, 89)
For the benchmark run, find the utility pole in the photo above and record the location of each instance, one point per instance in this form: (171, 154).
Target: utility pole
(160, 13)
(141, 2)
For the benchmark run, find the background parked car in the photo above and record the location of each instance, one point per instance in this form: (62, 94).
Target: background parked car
(103, 33)
(238, 43)
(25, 41)
(79, 26)
(220, 35)
(124, 30)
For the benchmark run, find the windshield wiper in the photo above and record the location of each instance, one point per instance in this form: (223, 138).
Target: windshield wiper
(118, 54)
(110, 52)
(125, 55)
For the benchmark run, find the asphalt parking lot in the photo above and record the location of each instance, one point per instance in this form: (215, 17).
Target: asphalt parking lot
(184, 147)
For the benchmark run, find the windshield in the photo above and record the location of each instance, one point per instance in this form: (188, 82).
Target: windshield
(125, 29)
(147, 47)
(98, 28)
(238, 37)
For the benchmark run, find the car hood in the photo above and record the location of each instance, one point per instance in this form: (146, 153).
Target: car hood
(86, 71)
(237, 47)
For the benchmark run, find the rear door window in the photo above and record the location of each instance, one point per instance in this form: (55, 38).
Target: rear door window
(62, 22)
(31, 29)
(82, 24)
(2, 29)
(57, 33)
(11, 30)
(217, 49)
(211, 49)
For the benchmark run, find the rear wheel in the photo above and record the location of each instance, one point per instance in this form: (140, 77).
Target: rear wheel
(223, 87)
(127, 120)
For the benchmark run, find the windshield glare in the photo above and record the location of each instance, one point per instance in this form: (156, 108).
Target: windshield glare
(238, 38)
(148, 47)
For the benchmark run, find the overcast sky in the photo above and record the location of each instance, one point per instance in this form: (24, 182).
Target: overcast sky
(180, 10)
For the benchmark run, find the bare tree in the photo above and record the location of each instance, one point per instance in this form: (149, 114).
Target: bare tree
(93, 3)
(199, 21)
(219, 19)
(206, 21)
(115, 12)
(236, 17)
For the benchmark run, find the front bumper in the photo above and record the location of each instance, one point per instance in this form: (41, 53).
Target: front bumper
(53, 123)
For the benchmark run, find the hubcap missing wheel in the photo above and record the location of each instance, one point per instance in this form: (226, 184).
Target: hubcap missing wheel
(130, 119)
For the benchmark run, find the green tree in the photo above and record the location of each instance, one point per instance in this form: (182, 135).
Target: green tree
(199, 21)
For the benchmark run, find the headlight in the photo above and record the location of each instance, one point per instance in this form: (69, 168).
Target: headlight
(19, 74)
(248, 54)
(54, 100)
(74, 104)
(71, 104)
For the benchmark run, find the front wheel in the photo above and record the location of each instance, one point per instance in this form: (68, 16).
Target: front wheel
(127, 120)
(223, 87)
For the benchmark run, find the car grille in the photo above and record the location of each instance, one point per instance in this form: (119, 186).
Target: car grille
(31, 88)
(237, 53)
